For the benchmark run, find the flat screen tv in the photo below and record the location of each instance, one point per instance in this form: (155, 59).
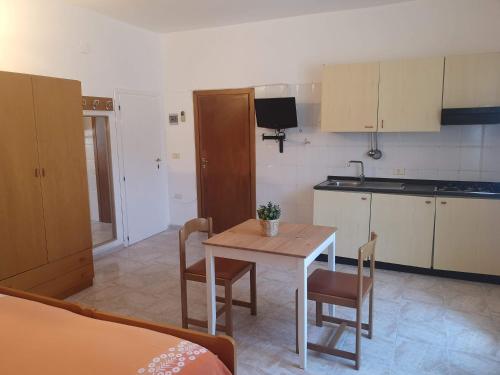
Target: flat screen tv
(276, 113)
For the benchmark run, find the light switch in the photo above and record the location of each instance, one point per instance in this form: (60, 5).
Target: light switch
(177, 196)
(183, 116)
(176, 155)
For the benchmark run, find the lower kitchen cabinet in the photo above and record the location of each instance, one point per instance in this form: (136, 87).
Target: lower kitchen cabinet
(405, 227)
(350, 213)
(467, 236)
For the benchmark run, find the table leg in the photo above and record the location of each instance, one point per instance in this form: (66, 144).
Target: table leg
(331, 267)
(211, 307)
(302, 312)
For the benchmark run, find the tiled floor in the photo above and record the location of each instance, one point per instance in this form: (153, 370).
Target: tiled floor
(423, 324)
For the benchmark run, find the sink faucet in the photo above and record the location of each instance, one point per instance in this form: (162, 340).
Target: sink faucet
(362, 175)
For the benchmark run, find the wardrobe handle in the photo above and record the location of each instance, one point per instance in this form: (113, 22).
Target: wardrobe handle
(36, 172)
(43, 172)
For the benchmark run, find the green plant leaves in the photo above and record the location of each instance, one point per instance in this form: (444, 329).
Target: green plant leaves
(270, 211)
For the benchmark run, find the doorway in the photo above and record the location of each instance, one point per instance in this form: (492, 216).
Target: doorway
(100, 181)
(225, 155)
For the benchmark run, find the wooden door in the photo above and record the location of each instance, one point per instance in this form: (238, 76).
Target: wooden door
(21, 213)
(225, 142)
(102, 167)
(410, 95)
(350, 213)
(405, 228)
(467, 238)
(349, 97)
(58, 109)
(472, 81)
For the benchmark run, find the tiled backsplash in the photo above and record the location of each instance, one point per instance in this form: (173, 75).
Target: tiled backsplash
(455, 153)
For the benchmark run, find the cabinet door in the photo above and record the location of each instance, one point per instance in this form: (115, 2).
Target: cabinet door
(467, 237)
(350, 213)
(58, 109)
(349, 98)
(410, 95)
(405, 226)
(21, 216)
(472, 81)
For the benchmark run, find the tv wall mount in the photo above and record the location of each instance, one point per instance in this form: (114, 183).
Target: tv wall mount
(279, 136)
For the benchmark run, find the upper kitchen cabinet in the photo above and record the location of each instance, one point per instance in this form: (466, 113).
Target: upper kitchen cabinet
(410, 95)
(472, 81)
(349, 97)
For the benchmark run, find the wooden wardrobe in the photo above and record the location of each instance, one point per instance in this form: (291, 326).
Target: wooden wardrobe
(45, 236)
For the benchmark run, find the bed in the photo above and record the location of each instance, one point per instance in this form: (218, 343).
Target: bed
(41, 335)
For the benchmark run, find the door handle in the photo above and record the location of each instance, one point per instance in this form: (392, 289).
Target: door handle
(204, 162)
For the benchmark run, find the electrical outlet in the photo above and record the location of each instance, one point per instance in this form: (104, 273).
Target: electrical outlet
(176, 155)
(177, 196)
(398, 172)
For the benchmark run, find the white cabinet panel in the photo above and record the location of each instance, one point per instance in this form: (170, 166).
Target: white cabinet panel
(467, 237)
(350, 213)
(472, 81)
(349, 97)
(410, 95)
(405, 226)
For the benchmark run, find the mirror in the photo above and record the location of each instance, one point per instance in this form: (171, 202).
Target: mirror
(100, 179)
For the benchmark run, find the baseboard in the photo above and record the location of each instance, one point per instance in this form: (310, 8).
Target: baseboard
(492, 279)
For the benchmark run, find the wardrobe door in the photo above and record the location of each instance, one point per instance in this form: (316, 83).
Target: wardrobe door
(58, 108)
(21, 215)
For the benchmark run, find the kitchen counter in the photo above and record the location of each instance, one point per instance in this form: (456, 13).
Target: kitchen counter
(489, 190)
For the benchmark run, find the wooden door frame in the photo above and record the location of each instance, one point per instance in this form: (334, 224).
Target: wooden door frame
(251, 94)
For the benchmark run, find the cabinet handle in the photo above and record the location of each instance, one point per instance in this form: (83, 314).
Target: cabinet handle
(363, 198)
(444, 202)
(43, 172)
(382, 124)
(428, 202)
(36, 172)
(368, 127)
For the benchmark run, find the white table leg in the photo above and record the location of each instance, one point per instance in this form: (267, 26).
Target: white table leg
(331, 267)
(302, 312)
(211, 308)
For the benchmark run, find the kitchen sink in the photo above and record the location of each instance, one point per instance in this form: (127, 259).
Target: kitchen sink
(345, 183)
(367, 184)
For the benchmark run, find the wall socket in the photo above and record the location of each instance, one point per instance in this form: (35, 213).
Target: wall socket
(398, 172)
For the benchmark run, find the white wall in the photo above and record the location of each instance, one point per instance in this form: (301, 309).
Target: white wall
(48, 37)
(291, 51)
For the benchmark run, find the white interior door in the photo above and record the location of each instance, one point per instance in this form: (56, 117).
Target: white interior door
(145, 172)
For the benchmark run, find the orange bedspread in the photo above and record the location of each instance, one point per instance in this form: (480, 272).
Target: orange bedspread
(40, 339)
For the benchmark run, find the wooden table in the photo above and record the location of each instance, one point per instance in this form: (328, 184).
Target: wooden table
(295, 248)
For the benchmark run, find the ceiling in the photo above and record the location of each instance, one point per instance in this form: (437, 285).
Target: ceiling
(176, 15)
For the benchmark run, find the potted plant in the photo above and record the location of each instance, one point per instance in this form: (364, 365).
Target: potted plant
(269, 216)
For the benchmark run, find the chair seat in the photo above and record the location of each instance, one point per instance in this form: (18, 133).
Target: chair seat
(336, 284)
(226, 269)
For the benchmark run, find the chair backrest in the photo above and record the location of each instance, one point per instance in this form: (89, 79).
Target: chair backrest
(366, 252)
(194, 225)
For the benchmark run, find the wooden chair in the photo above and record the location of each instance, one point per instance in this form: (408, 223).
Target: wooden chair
(343, 289)
(227, 272)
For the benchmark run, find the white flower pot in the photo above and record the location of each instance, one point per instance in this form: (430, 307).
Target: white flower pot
(270, 227)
